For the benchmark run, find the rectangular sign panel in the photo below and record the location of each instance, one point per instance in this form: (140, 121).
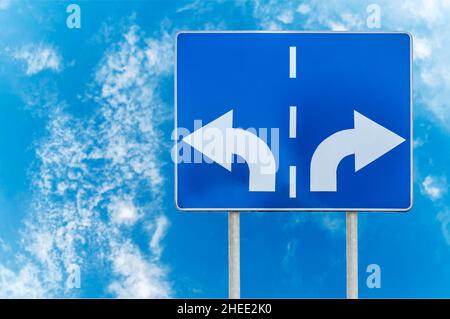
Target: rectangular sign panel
(293, 121)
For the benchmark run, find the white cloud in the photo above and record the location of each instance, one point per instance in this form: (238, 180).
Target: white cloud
(162, 223)
(444, 218)
(286, 17)
(290, 253)
(4, 247)
(314, 15)
(337, 26)
(434, 187)
(303, 8)
(422, 48)
(24, 284)
(39, 57)
(345, 21)
(89, 167)
(431, 11)
(418, 142)
(272, 15)
(4, 4)
(332, 222)
(194, 5)
(427, 21)
(137, 277)
(123, 212)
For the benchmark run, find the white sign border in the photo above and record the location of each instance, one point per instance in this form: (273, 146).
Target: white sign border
(246, 209)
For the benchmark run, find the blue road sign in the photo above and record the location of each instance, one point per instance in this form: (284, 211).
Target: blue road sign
(293, 121)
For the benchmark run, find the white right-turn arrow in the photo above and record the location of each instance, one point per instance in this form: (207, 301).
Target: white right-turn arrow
(368, 141)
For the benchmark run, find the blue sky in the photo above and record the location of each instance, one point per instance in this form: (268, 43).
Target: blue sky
(86, 176)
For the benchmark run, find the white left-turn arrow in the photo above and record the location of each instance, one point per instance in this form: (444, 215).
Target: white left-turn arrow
(218, 140)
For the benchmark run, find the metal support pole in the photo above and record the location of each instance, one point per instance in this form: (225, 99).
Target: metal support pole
(352, 255)
(234, 277)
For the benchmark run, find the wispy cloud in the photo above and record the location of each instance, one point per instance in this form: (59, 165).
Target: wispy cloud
(434, 187)
(4, 4)
(333, 223)
(274, 15)
(87, 190)
(444, 218)
(290, 253)
(23, 284)
(123, 212)
(279, 15)
(427, 20)
(303, 8)
(38, 57)
(194, 5)
(286, 17)
(159, 231)
(137, 277)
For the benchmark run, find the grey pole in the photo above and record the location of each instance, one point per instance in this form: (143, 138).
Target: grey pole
(352, 255)
(234, 277)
